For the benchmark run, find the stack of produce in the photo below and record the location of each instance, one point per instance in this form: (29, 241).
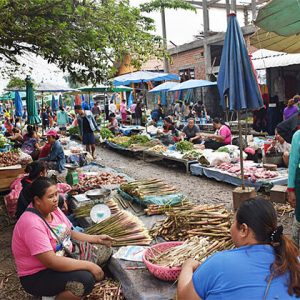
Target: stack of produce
(88, 182)
(184, 146)
(192, 155)
(198, 248)
(153, 209)
(84, 210)
(125, 228)
(3, 141)
(152, 187)
(283, 209)
(107, 289)
(106, 133)
(73, 130)
(158, 149)
(147, 145)
(203, 220)
(126, 142)
(9, 158)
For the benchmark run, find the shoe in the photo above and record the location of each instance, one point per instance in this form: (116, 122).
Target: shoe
(48, 298)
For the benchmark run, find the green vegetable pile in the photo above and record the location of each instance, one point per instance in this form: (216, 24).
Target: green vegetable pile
(106, 133)
(74, 130)
(3, 141)
(135, 139)
(192, 155)
(184, 146)
(223, 149)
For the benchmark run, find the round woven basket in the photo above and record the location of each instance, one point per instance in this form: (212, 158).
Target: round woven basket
(163, 273)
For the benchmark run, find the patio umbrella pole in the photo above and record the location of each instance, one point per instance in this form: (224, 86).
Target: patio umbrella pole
(241, 149)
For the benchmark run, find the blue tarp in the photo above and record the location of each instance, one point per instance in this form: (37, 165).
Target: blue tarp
(192, 84)
(164, 87)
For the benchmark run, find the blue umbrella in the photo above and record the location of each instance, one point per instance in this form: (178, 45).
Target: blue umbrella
(192, 84)
(18, 105)
(130, 99)
(236, 79)
(143, 76)
(237, 84)
(164, 87)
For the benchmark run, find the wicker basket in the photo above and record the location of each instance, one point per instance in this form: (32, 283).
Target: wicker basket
(275, 159)
(163, 273)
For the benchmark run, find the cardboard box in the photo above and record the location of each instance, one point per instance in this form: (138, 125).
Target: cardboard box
(279, 194)
(239, 195)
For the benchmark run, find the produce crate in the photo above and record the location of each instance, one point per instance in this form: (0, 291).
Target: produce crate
(8, 175)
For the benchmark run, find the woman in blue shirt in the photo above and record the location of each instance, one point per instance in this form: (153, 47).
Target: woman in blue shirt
(264, 265)
(56, 158)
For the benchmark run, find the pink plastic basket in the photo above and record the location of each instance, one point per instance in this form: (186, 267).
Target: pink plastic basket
(163, 273)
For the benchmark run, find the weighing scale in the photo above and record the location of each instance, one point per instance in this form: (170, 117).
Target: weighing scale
(72, 175)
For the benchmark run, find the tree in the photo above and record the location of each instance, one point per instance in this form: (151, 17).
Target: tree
(83, 37)
(16, 83)
(162, 5)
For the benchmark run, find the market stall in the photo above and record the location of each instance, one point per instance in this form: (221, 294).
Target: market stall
(255, 176)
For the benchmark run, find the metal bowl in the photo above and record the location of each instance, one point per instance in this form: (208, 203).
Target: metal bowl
(98, 193)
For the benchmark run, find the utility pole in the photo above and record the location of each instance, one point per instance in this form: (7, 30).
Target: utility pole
(253, 7)
(164, 34)
(207, 53)
(233, 5)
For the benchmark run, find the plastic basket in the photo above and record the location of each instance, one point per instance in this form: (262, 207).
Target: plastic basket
(163, 273)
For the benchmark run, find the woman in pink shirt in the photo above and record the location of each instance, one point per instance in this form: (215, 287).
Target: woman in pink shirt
(42, 267)
(222, 136)
(123, 111)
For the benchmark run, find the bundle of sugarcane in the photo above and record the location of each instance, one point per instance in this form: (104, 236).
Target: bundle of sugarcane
(201, 220)
(84, 211)
(107, 289)
(152, 187)
(153, 209)
(125, 228)
(198, 248)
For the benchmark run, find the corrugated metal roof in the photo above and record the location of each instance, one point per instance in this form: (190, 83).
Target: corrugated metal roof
(264, 59)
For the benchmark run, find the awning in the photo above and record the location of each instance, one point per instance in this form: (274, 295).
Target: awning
(272, 41)
(264, 59)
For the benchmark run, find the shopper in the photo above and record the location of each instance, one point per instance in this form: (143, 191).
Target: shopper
(87, 125)
(290, 110)
(294, 184)
(62, 119)
(39, 255)
(138, 114)
(265, 264)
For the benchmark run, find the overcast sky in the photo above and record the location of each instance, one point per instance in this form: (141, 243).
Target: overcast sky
(183, 25)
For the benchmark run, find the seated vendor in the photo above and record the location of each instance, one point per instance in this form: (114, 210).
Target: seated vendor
(31, 145)
(113, 125)
(264, 264)
(42, 265)
(222, 136)
(191, 132)
(281, 146)
(16, 137)
(168, 127)
(34, 170)
(56, 158)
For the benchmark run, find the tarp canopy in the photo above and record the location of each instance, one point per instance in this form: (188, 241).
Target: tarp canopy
(18, 105)
(121, 88)
(192, 84)
(52, 88)
(264, 59)
(95, 89)
(164, 87)
(280, 17)
(279, 25)
(143, 76)
(236, 79)
(272, 41)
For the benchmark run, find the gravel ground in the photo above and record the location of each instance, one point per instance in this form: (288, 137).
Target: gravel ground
(198, 189)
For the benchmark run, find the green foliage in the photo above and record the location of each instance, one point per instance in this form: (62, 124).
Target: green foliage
(157, 5)
(106, 133)
(16, 82)
(184, 146)
(74, 130)
(85, 38)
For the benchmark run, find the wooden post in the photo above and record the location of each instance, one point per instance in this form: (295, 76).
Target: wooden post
(253, 8)
(241, 150)
(207, 53)
(164, 35)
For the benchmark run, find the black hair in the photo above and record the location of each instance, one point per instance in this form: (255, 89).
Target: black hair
(29, 128)
(217, 121)
(39, 187)
(167, 119)
(261, 217)
(61, 108)
(77, 107)
(112, 115)
(34, 169)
